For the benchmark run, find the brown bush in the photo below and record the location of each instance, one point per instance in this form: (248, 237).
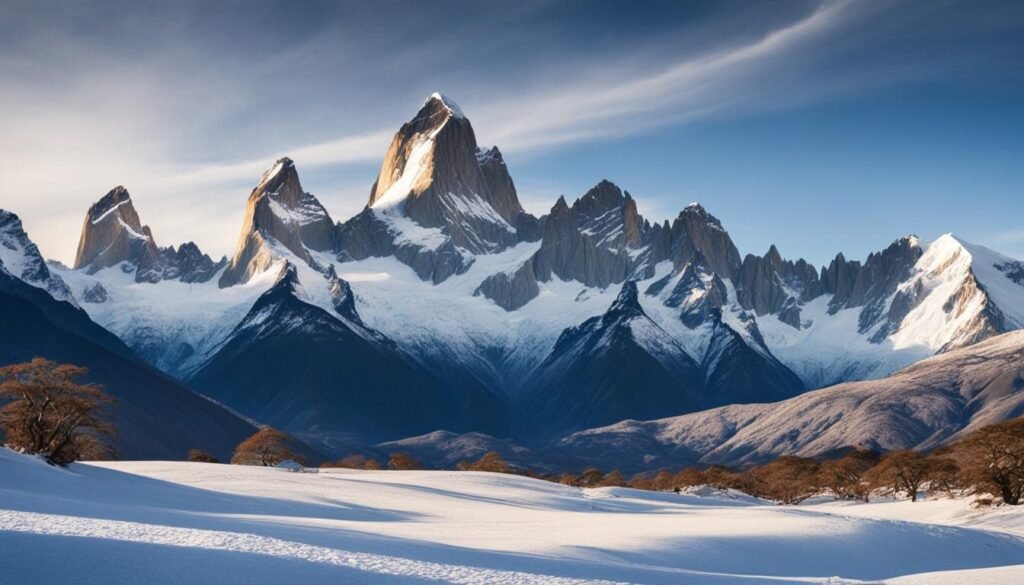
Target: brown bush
(403, 462)
(663, 481)
(589, 478)
(46, 412)
(689, 477)
(640, 482)
(200, 456)
(612, 479)
(355, 461)
(944, 475)
(490, 461)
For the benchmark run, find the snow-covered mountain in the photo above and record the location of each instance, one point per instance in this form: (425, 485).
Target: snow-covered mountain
(296, 365)
(586, 315)
(20, 258)
(156, 416)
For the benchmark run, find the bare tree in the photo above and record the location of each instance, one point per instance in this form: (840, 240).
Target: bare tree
(590, 477)
(787, 479)
(992, 460)
(45, 411)
(267, 447)
(901, 471)
(844, 477)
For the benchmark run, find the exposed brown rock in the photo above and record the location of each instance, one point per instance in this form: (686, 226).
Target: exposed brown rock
(112, 233)
(278, 213)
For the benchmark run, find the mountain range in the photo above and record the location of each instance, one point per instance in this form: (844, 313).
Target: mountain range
(445, 314)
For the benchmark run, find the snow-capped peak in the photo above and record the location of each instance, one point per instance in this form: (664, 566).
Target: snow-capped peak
(448, 104)
(279, 165)
(114, 199)
(961, 293)
(20, 257)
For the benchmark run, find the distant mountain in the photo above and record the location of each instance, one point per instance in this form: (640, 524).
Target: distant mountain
(155, 416)
(466, 313)
(922, 406)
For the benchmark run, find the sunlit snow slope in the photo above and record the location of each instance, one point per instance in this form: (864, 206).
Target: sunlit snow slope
(161, 522)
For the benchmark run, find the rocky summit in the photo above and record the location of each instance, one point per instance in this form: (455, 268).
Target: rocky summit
(113, 235)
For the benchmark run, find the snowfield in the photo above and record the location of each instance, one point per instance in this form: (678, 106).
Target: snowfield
(172, 522)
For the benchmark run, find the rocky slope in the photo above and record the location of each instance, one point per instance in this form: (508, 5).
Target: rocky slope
(922, 406)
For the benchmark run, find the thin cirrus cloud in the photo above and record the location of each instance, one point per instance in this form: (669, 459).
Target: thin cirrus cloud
(606, 102)
(596, 107)
(189, 129)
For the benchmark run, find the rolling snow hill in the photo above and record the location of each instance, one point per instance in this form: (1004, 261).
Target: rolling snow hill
(181, 523)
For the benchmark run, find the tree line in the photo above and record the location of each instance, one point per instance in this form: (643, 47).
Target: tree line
(45, 410)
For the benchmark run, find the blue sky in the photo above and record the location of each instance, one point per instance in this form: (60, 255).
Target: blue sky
(818, 126)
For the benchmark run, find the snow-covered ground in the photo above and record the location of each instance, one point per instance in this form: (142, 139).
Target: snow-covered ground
(171, 522)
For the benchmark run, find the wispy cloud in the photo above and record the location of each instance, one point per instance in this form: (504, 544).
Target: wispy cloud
(605, 101)
(189, 120)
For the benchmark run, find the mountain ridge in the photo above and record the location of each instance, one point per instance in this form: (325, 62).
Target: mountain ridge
(481, 296)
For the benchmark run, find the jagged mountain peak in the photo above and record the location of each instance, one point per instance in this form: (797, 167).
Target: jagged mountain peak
(694, 229)
(435, 174)
(20, 256)
(439, 199)
(112, 233)
(697, 210)
(282, 174)
(113, 198)
(602, 197)
(489, 155)
(560, 205)
(627, 304)
(438, 100)
(278, 210)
